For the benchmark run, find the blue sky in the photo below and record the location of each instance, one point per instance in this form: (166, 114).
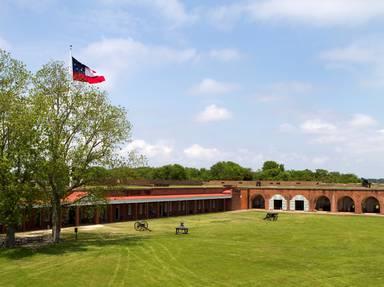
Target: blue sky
(296, 81)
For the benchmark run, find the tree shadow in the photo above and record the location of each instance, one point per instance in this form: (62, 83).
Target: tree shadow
(69, 244)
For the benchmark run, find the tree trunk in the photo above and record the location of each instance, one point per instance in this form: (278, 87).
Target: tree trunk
(10, 240)
(56, 219)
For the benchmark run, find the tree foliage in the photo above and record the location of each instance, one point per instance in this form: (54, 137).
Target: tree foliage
(17, 143)
(78, 128)
(224, 170)
(230, 171)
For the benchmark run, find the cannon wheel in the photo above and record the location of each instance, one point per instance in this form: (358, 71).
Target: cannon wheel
(145, 225)
(137, 226)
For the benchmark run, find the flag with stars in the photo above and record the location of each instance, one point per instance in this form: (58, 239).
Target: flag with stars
(82, 73)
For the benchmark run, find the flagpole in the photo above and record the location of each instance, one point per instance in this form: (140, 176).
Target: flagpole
(70, 62)
(70, 70)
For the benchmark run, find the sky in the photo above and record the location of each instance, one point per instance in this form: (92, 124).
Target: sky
(300, 82)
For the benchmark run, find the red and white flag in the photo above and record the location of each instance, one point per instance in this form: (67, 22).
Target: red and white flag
(82, 73)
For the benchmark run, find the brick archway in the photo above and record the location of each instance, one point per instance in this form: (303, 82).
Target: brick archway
(258, 201)
(370, 205)
(346, 204)
(299, 202)
(278, 202)
(323, 203)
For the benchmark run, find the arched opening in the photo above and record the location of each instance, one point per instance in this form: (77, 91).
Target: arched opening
(346, 204)
(323, 204)
(258, 202)
(278, 202)
(371, 205)
(299, 202)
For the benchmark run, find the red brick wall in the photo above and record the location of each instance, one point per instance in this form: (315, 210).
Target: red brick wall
(334, 195)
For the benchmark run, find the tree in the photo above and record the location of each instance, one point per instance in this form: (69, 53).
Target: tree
(17, 143)
(228, 170)
(78, 128)
(272, 165)
(272, 171)
(170, 172)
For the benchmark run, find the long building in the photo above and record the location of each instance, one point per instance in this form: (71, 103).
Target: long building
(123, 203)
(132, 203)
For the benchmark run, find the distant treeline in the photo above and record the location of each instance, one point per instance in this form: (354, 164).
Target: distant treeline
(224, 170)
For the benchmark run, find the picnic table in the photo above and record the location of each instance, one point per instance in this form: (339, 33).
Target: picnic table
(271, 216)
(181, 229)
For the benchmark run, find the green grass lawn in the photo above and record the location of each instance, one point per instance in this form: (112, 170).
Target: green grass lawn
(222, 249)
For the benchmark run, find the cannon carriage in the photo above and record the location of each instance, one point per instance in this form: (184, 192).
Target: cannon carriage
(141, 226)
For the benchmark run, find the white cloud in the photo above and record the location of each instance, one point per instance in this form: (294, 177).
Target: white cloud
(313, 12)
(119, 50)
(125, 55)
(173, 10)
(225, 55)
(367, 54)
(213, 113)
(196, 151)
(160, 149)
(351, 137)
(212, 87)
(354, 53)
(225, 16)
(319, 12)
(362, 121)
(317, 126)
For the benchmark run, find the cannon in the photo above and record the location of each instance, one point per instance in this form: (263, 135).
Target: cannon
(365, 183)
(141, 226)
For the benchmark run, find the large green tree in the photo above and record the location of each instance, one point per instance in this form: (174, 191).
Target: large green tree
(78, 128)
(170, 172)
(230, 171)
(17, 144)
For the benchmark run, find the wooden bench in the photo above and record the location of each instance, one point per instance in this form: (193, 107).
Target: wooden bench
(271, 216)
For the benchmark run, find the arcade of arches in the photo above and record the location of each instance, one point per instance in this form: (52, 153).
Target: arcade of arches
(295, 199)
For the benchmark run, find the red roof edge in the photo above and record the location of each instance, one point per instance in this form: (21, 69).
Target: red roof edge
(75, 196)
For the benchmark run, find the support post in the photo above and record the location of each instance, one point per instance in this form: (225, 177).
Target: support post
(110, 214)
(77, 216)
(97, 216)
(333, 202)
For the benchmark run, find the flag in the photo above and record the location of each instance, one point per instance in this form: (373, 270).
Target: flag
(82, 73)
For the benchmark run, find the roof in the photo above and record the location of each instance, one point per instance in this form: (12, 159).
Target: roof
(139, 187)
(77, 195)
(162, 198)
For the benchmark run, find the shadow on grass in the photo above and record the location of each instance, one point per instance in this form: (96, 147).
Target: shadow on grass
(86, 242)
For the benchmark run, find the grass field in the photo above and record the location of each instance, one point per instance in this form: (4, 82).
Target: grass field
(222, 249)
